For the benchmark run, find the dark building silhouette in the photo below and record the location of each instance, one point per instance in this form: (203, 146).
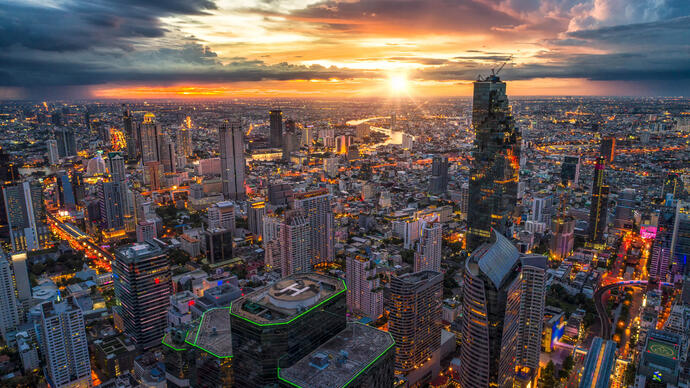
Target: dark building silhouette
(438, 184)
(276, 130)
(600, 200)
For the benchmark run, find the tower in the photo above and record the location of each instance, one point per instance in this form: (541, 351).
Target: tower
(168, 157)
(294, 239)
(64, 343)
(25, 215)
(276, 128)
(142, 281)
(439, 175)
(130, 135)
(149, 131)
(316, 207)
(9, 305)
(494, 173)
(570, 171)
(598, 210)
(364, 290)
(608, 149)
(232, 159)
(66, 142)
(111, 204)
(428, 255)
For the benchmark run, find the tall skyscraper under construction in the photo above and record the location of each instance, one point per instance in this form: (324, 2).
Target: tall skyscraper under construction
(495, 169)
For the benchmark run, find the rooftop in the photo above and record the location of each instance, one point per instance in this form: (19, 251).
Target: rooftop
(287, 299)
(213, 333)
(340, 360)
(134, 252)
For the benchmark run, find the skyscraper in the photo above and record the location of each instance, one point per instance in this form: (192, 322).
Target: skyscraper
(364, 290)
(232, 159)
(291, 139)
(414, 308)
(166, 152)
(624, 217)
(222, 215)
(598, 210)
(66, 198)
(276, 129)
(562, 237)
(428, 255)
(316, 207)
(149, 131)
(10, 307)
(65, 348)
(25, 215)
(53, 154)
(570, 171)
(184, 141)
(141, 274)
(66, 142)
(438, 183)
(681, 239)
(673, 185)
(255, 218)
(494, 172)
(502, 312)
(608, 148)
(130, 134)
(218, 244)
(111, 204)
(294, 241)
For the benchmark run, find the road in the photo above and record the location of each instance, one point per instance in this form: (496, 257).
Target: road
(605, 321)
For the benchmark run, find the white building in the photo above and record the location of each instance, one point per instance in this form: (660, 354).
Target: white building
(53, 155)
(316, 208)
(364, 291)
(428, 256)
(294, 236)
(9, 305)
(222, 215)
(64, 343)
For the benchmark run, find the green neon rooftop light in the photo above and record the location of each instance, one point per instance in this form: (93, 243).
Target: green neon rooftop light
(359, 373)
(198, 329)
(296, 316)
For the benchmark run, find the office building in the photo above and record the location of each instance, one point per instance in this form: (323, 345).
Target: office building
(364, 289)
(360, 356)
(152, 175)
(562, 237)
(149, 132)
(166, 152)
(494, 173)
(316, 208)
(10, 308)
(65, 349)
(255, 218)
(570, 171)
(184, 141)
(218, 242)
(141, 276)
(598, 211)
(276, 128)
(65, 192)
(66, 142)
(599, 364)
(53, 154)
(438, 183)
(502, 313)
(146, 230)
(212, 341)
(22, 282)
(414, 321)
(291, 141)
(279, 194)
(132, 150)
(662, 246)
(608, 149)
(294, 242)
(542, 208)
(232, 160)
(116, 167)
(111, 205)
(680, 242)
(277, 325)
(625, 206)
(114, 355)
(222, 215)
(660, 361)
(25, 214)
(428, 255)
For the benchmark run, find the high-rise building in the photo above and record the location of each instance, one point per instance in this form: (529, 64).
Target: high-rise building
(255, 216)
(141, 275)
(218, 243)
(608, 149)
(494, 172)
(291, 139)
(222, 215)
(65, 193)
(428, 255)
(570, 171)
(364, 289)
(502, 313)
(152, 174)
(66, 142)
(232, 160)
(166, 152)
(680, 242)
(116, 167)
(77, 179)
(25, 213)
(21, 280)
(148, 137)
(111, 203)
(53, 155)
(438, 183)
(10, 307)
(184, 141)
(542, 208)
(673, 185)
(130, 135)
(146, 230)
(316, 207)
(414, 307)
(65, 349)
(624, 217)
(276, 128)
(598, 211)
(599, 364)
(660, 362)
(277, 325)
(562, 237)
(293, 243)
(660, 256)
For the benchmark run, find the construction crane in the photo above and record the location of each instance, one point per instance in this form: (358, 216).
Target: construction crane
(495, 74)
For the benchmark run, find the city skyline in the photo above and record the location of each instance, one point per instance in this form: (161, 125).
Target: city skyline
(222, 49)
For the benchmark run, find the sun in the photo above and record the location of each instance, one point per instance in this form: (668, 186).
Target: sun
(398, 83)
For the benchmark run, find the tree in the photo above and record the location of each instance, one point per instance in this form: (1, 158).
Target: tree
(547, 379)
(629, 374)
(567, 367)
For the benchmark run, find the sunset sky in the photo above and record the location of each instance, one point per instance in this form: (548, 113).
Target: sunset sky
(264, 48)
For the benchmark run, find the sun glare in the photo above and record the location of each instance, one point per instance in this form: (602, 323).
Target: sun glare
(398, 83)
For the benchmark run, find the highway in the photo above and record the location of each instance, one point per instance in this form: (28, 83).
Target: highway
(605, 321)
